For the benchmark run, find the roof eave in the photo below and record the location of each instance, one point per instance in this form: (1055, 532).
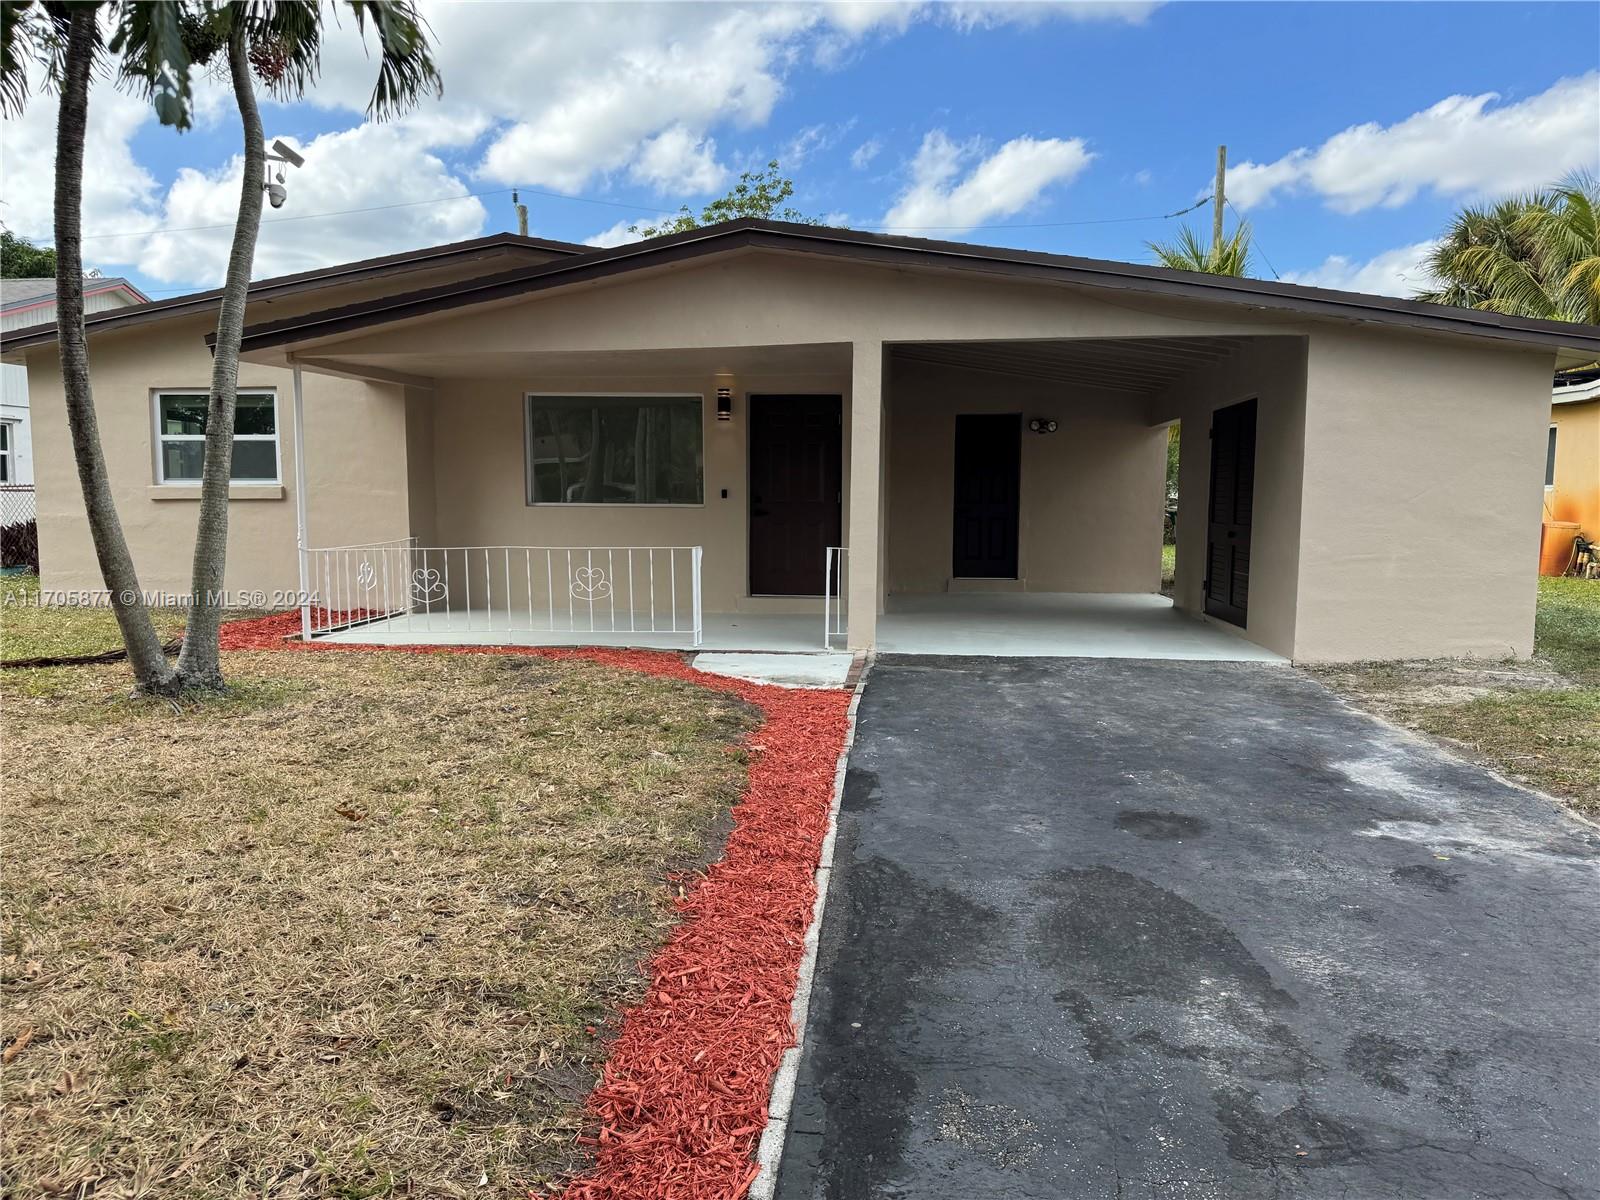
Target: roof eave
(851, 244)
(177, 306)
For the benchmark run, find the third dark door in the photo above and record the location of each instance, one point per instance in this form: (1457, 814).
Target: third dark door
(1230, 507)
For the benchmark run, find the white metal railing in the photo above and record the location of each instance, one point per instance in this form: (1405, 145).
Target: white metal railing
(573, 591)
(835, 596)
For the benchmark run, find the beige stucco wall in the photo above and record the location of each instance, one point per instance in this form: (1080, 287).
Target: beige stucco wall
(1091, 493)
(1272, 371)
(355, 450)
(1576, 493)
(1424, 477)
(479, 476)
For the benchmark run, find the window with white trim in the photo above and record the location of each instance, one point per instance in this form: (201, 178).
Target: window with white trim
(8, 461)
(1550, 459)
(181, 437)
(615, 449)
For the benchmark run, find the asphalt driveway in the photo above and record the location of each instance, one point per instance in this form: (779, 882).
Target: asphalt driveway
(1151, 930)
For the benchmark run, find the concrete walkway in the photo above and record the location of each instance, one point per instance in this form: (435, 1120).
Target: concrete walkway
(1104, 929)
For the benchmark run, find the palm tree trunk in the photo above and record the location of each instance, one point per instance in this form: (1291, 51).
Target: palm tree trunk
(199, 662)
(151, 673)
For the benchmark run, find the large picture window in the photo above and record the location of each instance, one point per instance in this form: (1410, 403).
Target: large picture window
(615, 450)
(181, 437)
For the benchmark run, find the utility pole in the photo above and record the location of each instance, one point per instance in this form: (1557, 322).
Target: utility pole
(522, 214)
(1219, 197)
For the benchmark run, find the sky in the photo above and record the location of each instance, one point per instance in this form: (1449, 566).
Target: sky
(1354, 131)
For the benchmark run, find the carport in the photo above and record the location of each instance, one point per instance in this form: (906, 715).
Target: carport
(1026, 494)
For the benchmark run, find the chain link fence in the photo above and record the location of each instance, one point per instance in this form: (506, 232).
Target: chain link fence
(19, 526)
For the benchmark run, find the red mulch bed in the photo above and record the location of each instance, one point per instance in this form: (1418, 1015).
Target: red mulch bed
(683, 1098)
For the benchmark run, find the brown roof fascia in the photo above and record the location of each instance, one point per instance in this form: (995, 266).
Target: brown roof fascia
(901, 251)
(283, 285)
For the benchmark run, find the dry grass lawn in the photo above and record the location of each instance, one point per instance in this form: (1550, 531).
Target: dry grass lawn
(1538, 721)
(354, 931)
(29, 630)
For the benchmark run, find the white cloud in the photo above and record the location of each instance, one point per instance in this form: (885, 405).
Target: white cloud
(1398, 272)
(863, 154)
(813, 140)
(368, 167)
(118, 193)
(564, 96)
(1461, 146)
(678, 160)
(1000, 185)
(618, 235)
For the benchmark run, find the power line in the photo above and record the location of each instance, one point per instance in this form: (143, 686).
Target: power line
(1257, 242)
(1051, 224)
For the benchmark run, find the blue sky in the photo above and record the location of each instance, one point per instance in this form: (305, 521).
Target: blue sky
(1355, 129)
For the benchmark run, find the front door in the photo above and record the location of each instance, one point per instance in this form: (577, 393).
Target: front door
(796, 481)
(988, 483)
(1230, 505)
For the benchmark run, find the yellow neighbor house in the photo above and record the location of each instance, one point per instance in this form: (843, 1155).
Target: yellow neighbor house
(1572, 464)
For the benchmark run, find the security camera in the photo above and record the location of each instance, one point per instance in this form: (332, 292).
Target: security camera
(276, 194)
(287, 153)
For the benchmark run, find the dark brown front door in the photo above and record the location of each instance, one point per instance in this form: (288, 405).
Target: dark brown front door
(988, 480)
(795, 492)
(1233, 483)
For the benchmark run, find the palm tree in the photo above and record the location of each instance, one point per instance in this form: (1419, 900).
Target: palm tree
(1190, 253)
(158, 44)
(1529, 256)
(65, 38)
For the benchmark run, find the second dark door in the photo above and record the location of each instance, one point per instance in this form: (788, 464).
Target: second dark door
(796, 478)
(988, 483)
(1230, 509)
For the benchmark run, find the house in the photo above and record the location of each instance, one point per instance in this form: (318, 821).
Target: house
(26, 303)
(706, 436)
(1571, 466)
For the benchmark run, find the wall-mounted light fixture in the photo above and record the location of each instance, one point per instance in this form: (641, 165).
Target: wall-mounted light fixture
(724, 397)
(1042, 425)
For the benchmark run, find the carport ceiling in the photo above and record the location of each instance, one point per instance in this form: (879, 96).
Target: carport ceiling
(1138, 366)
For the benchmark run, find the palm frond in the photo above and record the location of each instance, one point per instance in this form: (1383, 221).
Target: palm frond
(150, 40)
(1190, 253)
(406, 70)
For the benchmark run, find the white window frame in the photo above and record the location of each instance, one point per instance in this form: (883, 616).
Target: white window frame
(158, 437)
(8, 452)
(1552, 447)
(527, 449)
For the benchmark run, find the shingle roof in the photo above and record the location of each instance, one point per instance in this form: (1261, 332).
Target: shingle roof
(19, 293)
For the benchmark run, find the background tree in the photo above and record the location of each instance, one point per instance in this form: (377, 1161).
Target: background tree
(759, 194)
(1528, 256)
(1191, 252)
(157, 46)
(21, 259)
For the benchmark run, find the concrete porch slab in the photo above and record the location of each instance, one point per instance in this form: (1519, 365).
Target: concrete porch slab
(820, 670)
(1032, 625)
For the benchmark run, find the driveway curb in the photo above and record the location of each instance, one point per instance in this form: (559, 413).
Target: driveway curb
(769, 1152)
